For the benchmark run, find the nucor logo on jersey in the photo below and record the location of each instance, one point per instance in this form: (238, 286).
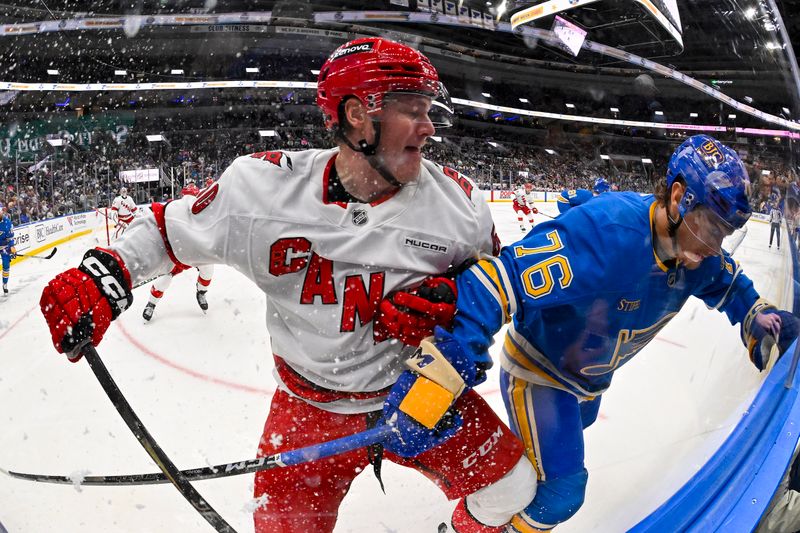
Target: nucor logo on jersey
(425, 245)
(484, 448)
(363, 47)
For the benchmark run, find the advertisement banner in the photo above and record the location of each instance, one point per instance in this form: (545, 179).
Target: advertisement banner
(139, 175)
(38, 234)
(28, 140)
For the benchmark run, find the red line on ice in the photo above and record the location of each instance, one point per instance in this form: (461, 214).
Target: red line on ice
(20, 319)
(193, 373)
(679, 345)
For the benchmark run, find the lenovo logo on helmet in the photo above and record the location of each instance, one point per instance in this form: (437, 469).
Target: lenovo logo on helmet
(355, 49)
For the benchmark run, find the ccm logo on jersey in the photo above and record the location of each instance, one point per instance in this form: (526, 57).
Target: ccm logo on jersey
(426, 245)
(205, 198)
(484, 448)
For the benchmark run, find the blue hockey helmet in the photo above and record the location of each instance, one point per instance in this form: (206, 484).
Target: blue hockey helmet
(714, 176)
(601, 186)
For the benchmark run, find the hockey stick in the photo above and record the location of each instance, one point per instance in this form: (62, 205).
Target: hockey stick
(145, 282)
(279, 460)
(48, 256)
(170, 471)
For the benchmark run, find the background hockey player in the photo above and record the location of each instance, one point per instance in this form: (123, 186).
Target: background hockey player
(347, 245)
(576, 197)
(204, 275)
(123, 211)
(7, 249)
(523, 204)
(588, 290)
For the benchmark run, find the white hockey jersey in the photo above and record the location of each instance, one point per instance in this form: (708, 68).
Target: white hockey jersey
(124, 208)
(523, 198)
(324, 266)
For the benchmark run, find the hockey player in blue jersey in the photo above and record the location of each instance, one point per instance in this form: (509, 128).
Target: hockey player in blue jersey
(587, 291)
(573, 198)
(600, 186)
(7, 249)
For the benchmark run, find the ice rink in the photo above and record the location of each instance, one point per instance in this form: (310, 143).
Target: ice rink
(202, 386)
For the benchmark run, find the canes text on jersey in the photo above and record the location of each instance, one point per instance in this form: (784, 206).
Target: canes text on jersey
(293, 254)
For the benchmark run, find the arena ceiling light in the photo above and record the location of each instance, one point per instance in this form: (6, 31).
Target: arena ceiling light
(176, 71)
(314, 72)
(154, 138)
(52, 72)
(267, 133)
(750, 13)
(693, 115)
(492, 144)
(501, 9)
(647, 161)
(604, 157)
(55, 142)
(436, 138)
(549, 151)
(486, 95)
(786, 111)
(732, 116)
(251, 70)
(615, 110)
(570, 106)
(120, 73)
(660, 113)
(524, 100)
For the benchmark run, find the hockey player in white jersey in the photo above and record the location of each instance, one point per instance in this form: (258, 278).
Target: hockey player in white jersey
(160, 285)
(523, 204)
(123, 211)
(348, 245)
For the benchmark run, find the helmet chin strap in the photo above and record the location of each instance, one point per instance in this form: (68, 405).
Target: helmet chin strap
(672, 229)
(370, 153)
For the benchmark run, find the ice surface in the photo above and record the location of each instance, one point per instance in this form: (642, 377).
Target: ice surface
(202, 385)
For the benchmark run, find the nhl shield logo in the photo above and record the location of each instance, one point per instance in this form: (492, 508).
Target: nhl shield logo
(359, 217)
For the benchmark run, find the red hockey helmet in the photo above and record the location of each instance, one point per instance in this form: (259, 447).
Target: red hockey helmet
(209, 182)
(190, 190)
(371, 67)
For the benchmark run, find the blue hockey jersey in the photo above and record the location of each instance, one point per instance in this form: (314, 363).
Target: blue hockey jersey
(572, 198)
(6, 234)
(585, 293)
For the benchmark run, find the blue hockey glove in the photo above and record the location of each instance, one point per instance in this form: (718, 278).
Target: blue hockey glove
(409, 437)
(771, 331)
(419, 405)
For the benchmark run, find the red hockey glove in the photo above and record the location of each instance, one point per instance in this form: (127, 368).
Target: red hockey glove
(535, 211)
(79, 304)
(410, 316)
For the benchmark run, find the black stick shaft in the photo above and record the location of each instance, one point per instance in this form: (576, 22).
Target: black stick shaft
(150, 445)
(48, 256)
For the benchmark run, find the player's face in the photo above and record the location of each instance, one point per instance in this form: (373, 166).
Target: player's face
(405, 127)
(701, 236)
